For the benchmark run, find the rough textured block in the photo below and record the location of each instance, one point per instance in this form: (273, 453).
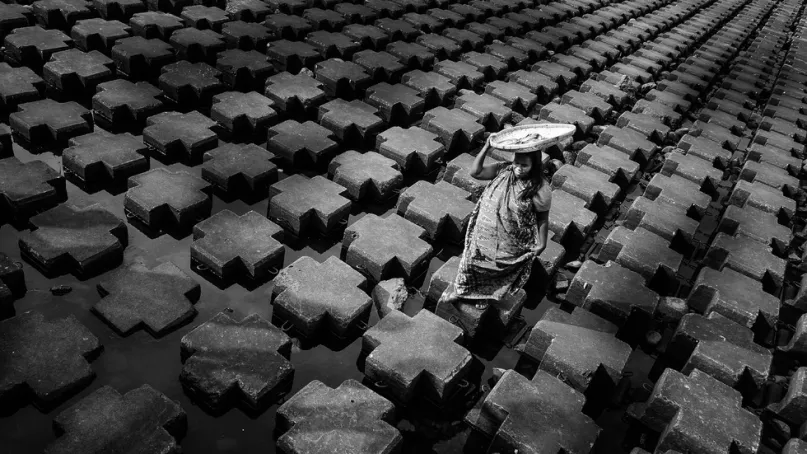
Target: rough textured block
(368, 36)
(190, 84)
(488, 110)
(197, 45)
(770, 175)
(442, 209)
(48, 360)
(33, 46)
(762, 197)
(14, 16)
(332, 45)
(48, 122)
(461, 74)
(642, 251)
(564, 113)
(649, 127)
(84, 241)
(366, 175)
(248, 10)
(734, 296)
(414, 149)
(141, 58)
(76, 73)
(397, 104)
(102, 157)
(746, 256)
(663, 218)
(588, 184)
(433, 87)
(120, 102)
(576, 346)
(792, 406)
(230, 245)
(141, 419)
(244, 70)
(175, 135)
(61, 14)
(235, 168)
(610, 161)
(26, 188)
(321, 297)
(569, 217)
(611, 291)
(539, 415)
(706, 149)
(629, 141)
(386, 247)
(352, 417)
(342, 79)
(300, 204)
(755, 224)
(693, 169)
(154, 24)
(295, 94)
(455, 128)
(17, 86)
(158, 299)
(161, 198)
(718, 347)
(420, 353)
(246, 36)
(390, 295)
(680, 192)
(380, 65)
(12, 284)
(306, 144)
(98, 34)
(204, 17)
(288, 27)
(244, 114)
(216, 353)
(352, 122)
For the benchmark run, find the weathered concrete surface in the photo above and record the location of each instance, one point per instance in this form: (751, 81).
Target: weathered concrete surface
(161, 198)
(539, 415)
(317, 297)
(755, 224)
(570, 219)
(227, 361)
(244, 113)
(746, 256)
(680, 403)
(158, 299)
(442, 209)
(662, 218)
(350, 417)
(390, 295)
(12, 284)
(47, 122)
(47, 358)
(26, 188)
(245, 168)
(588, 184)
(678, 191)
(762, 197)
(611, 291)
(366, 175)
(793, 406)
(84, 241)
(302, 204)
(102, 157)
(720, 348)
(416, 356)
(143, 420)
(458, 173)
(576, 345)
(414, 149)
(642, 251)
(386, 247)
(176, 135)
(230, 245)
(733, 295)
(303, 145)
(121, 102)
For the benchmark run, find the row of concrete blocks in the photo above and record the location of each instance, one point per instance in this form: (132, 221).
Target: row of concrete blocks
(748, 360)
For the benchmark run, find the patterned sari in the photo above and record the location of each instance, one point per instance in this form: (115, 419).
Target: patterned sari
(501, 234)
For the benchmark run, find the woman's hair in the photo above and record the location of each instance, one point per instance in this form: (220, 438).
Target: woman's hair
(535, 179)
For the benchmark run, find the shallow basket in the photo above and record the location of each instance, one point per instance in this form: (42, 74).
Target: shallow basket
(529, 138)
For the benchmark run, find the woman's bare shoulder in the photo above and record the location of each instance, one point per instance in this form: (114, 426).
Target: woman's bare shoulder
(543, 198)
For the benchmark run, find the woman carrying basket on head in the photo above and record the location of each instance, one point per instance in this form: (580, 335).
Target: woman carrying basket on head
(508, 228)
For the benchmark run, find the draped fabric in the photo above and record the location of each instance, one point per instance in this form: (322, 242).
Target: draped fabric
(501, 234)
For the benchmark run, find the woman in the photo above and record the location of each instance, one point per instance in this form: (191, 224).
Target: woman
(507, 229)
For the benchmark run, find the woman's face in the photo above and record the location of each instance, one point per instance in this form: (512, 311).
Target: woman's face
(522, 164)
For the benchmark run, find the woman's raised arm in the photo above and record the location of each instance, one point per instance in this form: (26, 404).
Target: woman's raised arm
(479, 170)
